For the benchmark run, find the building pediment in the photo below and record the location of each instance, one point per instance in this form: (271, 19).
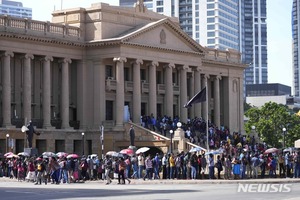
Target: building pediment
(163, 34)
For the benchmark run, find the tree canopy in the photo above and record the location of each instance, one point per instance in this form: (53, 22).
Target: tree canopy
(269, 121)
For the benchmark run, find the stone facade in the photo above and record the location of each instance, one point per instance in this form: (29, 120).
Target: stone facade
(77, 72)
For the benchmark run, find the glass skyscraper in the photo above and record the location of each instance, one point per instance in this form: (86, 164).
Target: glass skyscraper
(223, 24)
(15, 9)
(296, 49)
(253, 40)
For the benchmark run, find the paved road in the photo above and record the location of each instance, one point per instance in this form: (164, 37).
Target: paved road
(136, 191)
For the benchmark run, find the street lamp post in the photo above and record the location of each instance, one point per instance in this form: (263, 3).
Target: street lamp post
(171, 136)
(7, 141)
(284, 131)
(253, 129)
(82, 144)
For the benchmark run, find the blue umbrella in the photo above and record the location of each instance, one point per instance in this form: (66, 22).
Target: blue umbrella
(213, 152)
(196, 149)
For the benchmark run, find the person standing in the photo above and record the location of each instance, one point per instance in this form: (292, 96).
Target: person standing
(121, 174)
(108, 168)
(164, 166)
(41, 168)
(141, 164)
(211, 166)
(203, 165)
(172, 166)
(193, 163)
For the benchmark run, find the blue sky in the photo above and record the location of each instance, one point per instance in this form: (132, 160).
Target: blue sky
(278, 20)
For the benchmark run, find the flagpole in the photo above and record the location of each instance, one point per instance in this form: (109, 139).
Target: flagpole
(207, 139)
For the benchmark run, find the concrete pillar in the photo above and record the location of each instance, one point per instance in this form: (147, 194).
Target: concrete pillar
(183, 93)
(6, 89)
(99, 93)
(27, 87)
(47, 92)
(136, 108)
(152, 89)
(191, 89)
(169, 90)
(217, 100)
(120, 96)
(204, 105)
(65, 110)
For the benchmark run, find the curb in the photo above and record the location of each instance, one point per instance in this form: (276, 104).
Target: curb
(171, 182)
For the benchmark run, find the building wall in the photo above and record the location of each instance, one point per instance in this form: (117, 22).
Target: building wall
(154, 63)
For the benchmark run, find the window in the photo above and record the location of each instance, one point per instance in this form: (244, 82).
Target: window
(109, 110)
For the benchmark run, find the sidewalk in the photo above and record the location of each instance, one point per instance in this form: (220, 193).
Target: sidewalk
(200, 181)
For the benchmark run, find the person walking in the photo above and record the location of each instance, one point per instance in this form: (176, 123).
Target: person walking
(149, 167)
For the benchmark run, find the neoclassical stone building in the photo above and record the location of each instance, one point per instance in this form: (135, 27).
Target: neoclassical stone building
(79, 71)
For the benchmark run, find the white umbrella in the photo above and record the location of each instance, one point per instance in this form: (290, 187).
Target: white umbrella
(142, 150)
(23, 154)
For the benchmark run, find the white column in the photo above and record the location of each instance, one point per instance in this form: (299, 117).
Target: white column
(191, 87)
(136, 108)
(169, 90)
(120, 95)
(217, 100)
(65, 109)
(183, 93)
(205, 110)
(6, 89)
(152, 89)
(27, 86)
(99, 93)
(47, 92)
(197, 88)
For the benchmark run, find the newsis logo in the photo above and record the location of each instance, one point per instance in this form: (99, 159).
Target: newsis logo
(264, 188)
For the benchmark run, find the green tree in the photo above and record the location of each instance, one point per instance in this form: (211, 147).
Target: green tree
(269, 120)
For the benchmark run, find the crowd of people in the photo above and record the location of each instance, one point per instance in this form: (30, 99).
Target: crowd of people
(233, 156)
(53, 169)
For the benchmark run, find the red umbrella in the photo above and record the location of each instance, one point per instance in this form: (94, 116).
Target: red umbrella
(127, 151)
(271, 150)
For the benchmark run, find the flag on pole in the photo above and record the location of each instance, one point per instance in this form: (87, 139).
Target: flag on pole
(198, 98)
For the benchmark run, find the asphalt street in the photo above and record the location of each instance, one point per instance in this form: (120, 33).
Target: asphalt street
(143, 191)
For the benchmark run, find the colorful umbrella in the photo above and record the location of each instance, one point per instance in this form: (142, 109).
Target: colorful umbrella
(61, 154)
(129, 152)
(73, 156)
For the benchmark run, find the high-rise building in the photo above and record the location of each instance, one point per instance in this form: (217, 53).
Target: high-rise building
(296, 47)
(15, 9)
(253, 40)
(222, 24)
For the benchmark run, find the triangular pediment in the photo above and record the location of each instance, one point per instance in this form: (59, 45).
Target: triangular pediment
(163, 34)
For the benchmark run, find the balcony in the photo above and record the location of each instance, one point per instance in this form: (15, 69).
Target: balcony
(111, 84)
